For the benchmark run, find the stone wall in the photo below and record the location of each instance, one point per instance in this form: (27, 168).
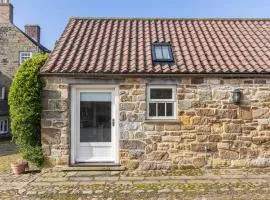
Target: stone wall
(210, 131)
(12, 42)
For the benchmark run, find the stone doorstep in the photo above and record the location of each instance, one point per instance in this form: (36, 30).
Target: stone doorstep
(158, 177)
(90, 168)
(91, 174)
(107, 176)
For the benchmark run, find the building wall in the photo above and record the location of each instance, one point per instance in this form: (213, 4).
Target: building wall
(12, 42)
(210, 131)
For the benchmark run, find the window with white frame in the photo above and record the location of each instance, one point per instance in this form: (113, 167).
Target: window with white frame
(24, 56)
(2, 93)
(161, 102)
(4, 126)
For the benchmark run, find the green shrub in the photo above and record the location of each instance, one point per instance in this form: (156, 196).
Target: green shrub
(25, 108)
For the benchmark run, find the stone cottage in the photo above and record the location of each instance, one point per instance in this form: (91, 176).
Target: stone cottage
(15, 47)
(159, 94)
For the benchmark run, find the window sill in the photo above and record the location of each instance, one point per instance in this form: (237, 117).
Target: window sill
(161, 121)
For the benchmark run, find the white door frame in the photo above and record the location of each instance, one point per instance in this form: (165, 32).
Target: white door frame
(74, 118)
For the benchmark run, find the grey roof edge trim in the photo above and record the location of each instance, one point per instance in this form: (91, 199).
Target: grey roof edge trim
(208, 75)
(169, 18)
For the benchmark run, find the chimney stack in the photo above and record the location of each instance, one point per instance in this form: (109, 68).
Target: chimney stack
(33, 31)
(6, 12)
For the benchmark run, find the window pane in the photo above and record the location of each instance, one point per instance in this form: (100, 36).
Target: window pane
(161, 109)
(95, 118)
(158, 93)
(24, 56)
(6, 126)
(1, 126)
(96, 96)
(158, 52)
(2, 93)
(169, 109)
(95, 123)
(152, 110)
(165, 52)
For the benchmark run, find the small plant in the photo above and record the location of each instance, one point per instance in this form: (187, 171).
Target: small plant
(25, 109)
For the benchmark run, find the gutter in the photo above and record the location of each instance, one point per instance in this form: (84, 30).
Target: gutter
(206, 75)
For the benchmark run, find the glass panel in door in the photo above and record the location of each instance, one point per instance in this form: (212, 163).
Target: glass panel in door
(95, 126)
(95, 117)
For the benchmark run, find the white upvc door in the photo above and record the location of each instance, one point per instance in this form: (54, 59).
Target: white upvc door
(95, 126)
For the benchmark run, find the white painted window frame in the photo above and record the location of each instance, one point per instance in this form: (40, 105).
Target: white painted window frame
(75, 100)
(3, 123)
(173, 100)
(24, 58)
(2, 93)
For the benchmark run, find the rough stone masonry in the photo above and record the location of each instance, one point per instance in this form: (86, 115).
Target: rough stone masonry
(210, 131)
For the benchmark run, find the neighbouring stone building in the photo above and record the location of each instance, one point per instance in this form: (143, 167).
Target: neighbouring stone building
(158, 94)
(15, 47)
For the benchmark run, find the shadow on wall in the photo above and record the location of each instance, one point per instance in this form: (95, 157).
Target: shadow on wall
(4, 82)
(4, 108)
(7, 147)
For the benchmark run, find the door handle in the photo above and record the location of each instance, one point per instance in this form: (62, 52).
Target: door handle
(113, 122)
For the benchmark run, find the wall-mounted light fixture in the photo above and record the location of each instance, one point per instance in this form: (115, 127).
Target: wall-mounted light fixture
(236, 96)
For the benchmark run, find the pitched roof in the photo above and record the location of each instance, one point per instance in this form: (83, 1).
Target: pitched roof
(40, 46)
(123, 46)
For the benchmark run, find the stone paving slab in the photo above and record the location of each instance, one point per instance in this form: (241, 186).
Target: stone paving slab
(216, 178)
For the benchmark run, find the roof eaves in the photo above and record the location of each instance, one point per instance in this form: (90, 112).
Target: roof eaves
(225, 75)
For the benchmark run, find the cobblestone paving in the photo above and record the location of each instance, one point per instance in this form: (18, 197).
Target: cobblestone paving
(100, 185)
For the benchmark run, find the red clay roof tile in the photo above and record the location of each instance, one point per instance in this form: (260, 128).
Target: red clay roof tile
(118, 46)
